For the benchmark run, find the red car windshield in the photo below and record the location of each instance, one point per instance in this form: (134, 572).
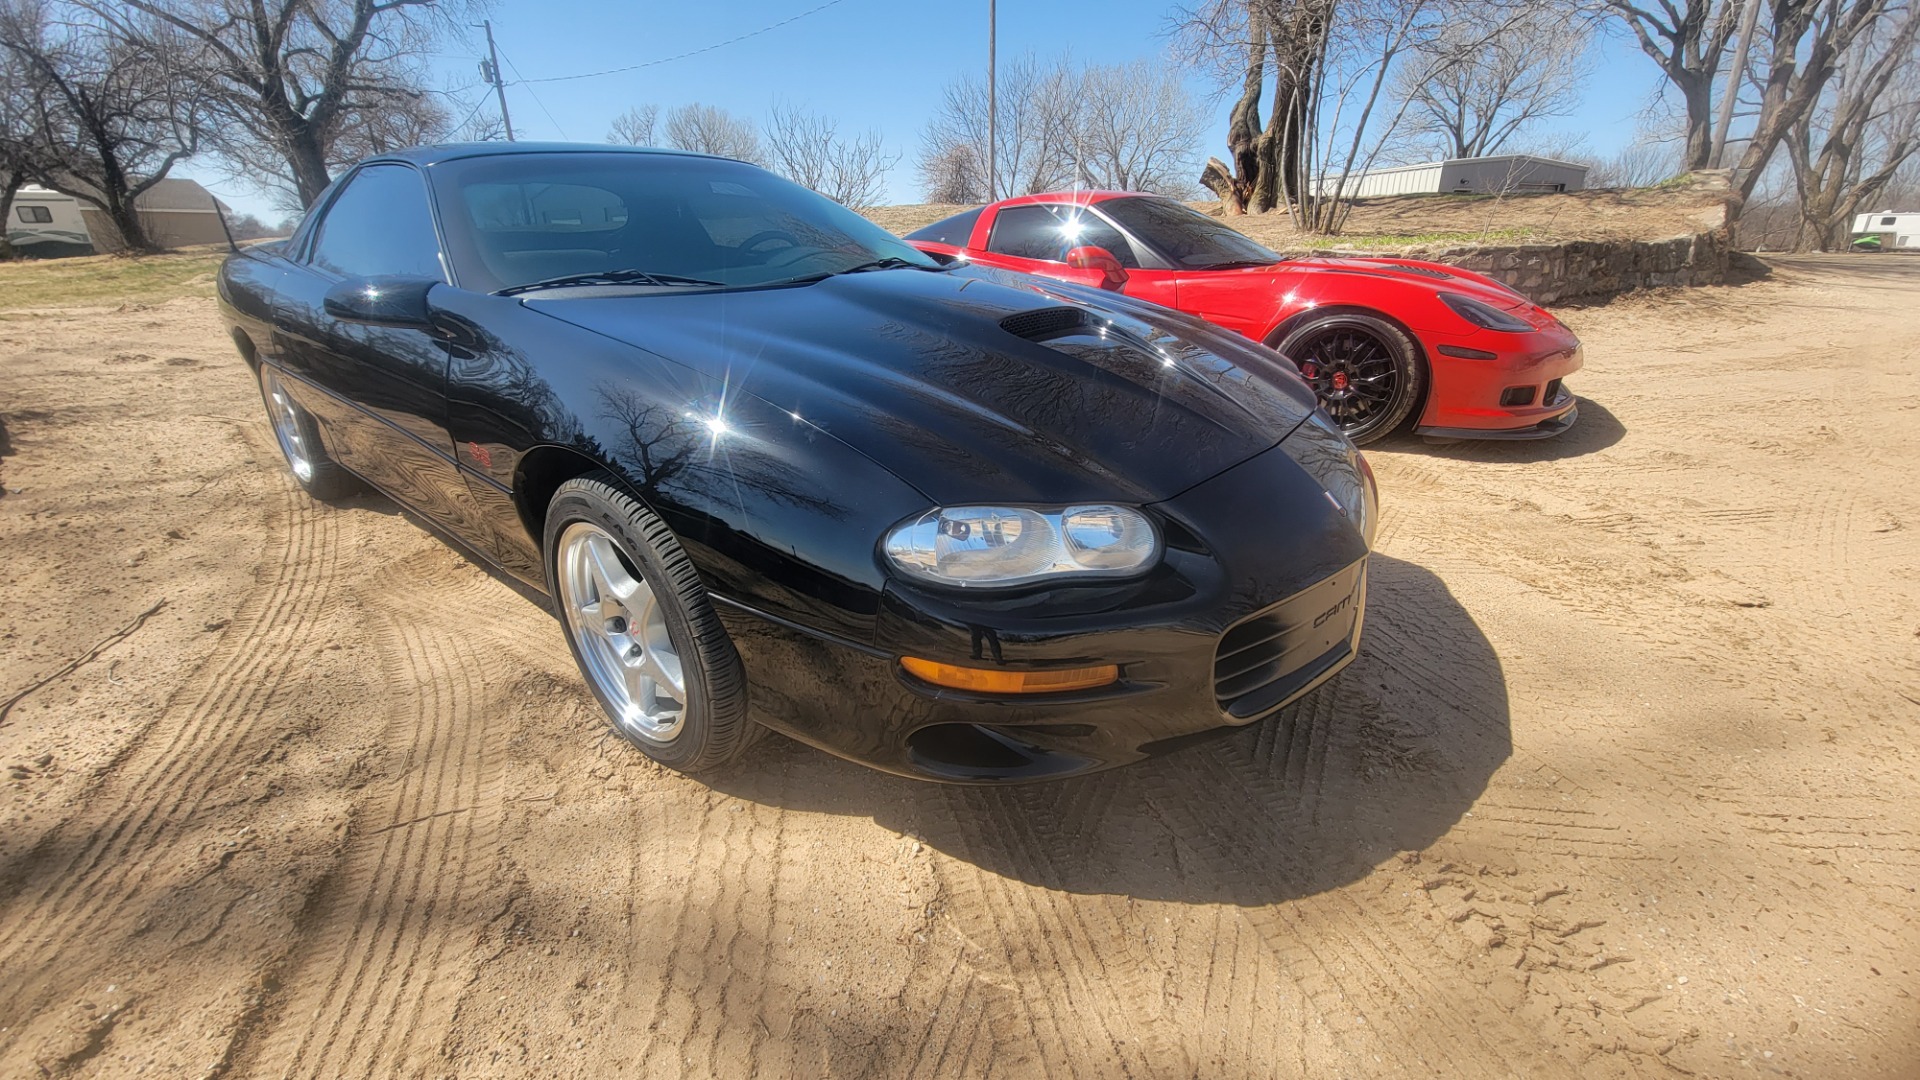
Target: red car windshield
(1185, 236)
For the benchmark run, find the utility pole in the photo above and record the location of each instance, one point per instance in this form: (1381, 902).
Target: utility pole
(491, 69)
(993, 111)
(1749, 15)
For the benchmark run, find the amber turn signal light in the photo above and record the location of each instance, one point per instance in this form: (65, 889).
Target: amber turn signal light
(990, 681)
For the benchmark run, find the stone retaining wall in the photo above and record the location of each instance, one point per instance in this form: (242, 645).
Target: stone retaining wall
(1595, 269)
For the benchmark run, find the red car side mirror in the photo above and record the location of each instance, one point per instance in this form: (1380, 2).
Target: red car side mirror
(1099, 258)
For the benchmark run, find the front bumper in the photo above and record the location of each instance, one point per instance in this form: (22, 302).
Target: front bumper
(1221, 634)
(1466, 398)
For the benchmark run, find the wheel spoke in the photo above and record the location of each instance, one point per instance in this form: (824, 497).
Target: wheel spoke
(620, 631)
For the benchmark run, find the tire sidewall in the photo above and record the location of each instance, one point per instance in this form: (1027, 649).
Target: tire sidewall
(626, 520)
(1406, 357)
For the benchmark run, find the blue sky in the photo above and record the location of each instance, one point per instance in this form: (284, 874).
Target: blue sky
(867, 63)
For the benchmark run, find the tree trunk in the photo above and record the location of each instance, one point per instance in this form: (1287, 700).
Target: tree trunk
(12, 187)
(1698, 93)
(1243, 126)
(309, 162)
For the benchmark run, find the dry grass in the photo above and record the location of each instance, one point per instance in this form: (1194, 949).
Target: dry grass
(1416, 222)
(108, 279)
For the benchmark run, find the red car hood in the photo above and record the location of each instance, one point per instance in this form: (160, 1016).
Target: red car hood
(1438, 277)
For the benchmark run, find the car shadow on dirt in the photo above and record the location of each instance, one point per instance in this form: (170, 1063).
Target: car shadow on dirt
(1596, 430)
(1383, 760)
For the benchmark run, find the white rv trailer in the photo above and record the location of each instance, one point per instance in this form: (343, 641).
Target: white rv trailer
(1900, 230)
(176, 212)
(46, 224)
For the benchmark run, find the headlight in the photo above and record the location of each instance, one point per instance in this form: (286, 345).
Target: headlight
(1483, 315)
(1013, 545)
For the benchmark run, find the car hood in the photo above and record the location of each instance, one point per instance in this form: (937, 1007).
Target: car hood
(935, 376)
(1436, 276)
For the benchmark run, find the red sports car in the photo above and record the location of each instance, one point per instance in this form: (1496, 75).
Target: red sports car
(1381, 340)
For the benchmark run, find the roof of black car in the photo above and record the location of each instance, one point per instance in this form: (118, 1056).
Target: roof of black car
(429, 155)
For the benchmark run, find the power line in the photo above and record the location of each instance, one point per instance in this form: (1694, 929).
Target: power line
(515, 68)
(695, 52)
(476, 112)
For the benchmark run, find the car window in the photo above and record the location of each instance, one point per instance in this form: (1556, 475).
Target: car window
(1047, 232)
(379, 224)
(1184, 235)
(36, 215)
(955, 230)
(517, 219)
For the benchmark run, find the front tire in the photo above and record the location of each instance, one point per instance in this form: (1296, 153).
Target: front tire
(642, 629)
(299, 440)
(1365, 370)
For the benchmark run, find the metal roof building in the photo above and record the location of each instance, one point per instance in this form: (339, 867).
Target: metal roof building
(1502, 175)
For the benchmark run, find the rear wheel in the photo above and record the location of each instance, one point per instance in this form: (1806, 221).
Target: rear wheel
(642, 629)
(299, 440)
(1365, 370)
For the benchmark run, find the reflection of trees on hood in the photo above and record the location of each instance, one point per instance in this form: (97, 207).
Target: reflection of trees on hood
(668, 453)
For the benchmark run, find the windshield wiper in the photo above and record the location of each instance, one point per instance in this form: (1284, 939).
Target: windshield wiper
(891, 262)
(608, 277)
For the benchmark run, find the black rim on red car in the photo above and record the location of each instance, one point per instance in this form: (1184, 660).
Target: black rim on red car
(1353, 373)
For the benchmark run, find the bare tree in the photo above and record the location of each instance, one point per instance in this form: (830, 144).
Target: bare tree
(635, 126)
(953, 174)
(1644, 162)
(481, 126)
(1134, 127)
(299, 88)
(1806, 41)
(807, 148)
(1851, 147)
(18, 144)
(1488, 78)
(1688, 39)
(1240, 41)
(110, 118)
(1035, 113)
(708, 129)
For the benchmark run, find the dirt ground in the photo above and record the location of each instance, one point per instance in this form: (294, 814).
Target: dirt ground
(1623, 784)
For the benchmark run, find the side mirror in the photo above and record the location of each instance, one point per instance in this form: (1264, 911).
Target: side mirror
(399, 302)
(1099, 258)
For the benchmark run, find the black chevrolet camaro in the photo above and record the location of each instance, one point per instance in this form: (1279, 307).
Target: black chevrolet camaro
(772, 465)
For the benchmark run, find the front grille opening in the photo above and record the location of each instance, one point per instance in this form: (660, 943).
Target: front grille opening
(1271, 658)
(979, 752)
(1515, 396)
(1554, 393)
(1043, 323)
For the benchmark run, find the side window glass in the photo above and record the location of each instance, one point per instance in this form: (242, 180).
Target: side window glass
(380, 224)
(1047, 233)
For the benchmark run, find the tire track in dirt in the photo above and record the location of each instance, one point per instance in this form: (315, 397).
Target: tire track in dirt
(83, 883)
(1357, 966)
(1049, 986)
(385, 949)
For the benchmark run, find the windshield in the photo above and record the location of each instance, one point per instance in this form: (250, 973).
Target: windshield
(515, 219)
(1185, 236)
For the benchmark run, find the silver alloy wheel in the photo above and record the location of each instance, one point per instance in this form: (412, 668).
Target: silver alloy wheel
(620, 630)
(286, 426)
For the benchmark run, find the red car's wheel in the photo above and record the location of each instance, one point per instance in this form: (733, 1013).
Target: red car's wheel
(1365, 370)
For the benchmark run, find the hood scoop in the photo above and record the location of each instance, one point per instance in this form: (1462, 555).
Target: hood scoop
(1043, 323)
(1425, 271)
